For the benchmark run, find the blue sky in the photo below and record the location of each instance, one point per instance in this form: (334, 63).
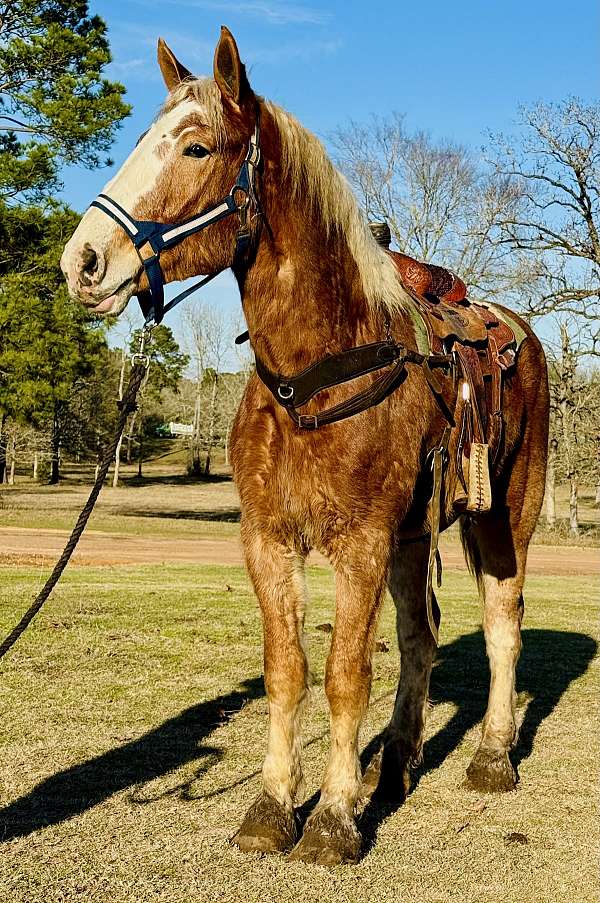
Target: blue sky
(456, 69)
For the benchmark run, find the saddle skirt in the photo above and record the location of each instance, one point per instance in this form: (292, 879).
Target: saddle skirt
(449, 316)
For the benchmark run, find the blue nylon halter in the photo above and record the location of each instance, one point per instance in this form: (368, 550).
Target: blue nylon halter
(150, 238)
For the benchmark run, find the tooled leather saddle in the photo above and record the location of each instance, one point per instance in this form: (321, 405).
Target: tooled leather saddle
(483, 340)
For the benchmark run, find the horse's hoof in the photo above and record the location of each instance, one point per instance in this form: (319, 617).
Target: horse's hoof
(268, 827)
(491, 772)
(330, 838)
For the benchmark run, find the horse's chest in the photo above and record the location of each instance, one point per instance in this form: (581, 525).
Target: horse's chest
(321, 487)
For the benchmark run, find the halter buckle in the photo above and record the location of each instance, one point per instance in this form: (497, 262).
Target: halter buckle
(146, 252)
(308, 422)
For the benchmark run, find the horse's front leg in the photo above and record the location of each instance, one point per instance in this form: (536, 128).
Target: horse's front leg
(330, 835)
(277, 573)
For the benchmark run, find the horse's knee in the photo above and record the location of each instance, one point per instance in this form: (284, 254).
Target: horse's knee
(347, 682)
(286, 678)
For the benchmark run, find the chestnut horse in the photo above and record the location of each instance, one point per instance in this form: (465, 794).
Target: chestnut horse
(313, 282)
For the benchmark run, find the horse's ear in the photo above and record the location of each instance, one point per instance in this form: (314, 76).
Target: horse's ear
(229, 71)
(172, 70)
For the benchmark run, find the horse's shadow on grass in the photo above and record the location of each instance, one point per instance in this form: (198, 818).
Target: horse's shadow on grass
(169, 746)
(226, 515)
(152, 479)
(550, 661)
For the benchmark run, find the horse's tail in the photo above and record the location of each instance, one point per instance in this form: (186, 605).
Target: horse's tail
(470, 548)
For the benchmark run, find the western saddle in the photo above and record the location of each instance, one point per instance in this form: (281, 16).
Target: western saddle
(483, 342)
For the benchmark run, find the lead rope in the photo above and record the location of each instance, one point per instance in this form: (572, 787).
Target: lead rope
(140, 363)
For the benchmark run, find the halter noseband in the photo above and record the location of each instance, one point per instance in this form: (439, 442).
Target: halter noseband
(151, 238)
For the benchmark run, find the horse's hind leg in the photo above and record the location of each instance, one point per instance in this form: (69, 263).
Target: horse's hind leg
(497, 544)
(277, 573)
(403, 739)
(500, 576)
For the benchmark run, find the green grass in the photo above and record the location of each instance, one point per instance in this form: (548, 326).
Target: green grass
(134, 727)
(163, 505)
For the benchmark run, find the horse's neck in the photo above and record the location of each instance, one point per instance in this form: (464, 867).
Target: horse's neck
(303, 297)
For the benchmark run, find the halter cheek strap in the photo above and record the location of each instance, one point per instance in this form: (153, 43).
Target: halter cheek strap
(151, 238)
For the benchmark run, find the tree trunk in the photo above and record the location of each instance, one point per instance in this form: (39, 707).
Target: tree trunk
(598, 494)
(141, 456)
(55, 459)
(2, 450)
(211, 425)
(13, 458)
(35, 465)
(131, 433)
(115, 480)
(227, 437)
(551, 484)
(195, 468)
(573, 506)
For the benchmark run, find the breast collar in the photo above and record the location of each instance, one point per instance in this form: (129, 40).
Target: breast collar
(151, 238)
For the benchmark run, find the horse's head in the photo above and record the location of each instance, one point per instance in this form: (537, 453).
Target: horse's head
(186, 162)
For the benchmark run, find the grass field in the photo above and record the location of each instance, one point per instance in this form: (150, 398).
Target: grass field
(134, 724)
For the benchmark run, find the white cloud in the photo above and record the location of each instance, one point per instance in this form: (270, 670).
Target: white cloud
(293, 50)
(134, 51)
(276, 12)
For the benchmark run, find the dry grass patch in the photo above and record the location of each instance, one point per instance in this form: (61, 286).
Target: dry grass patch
(134, 725)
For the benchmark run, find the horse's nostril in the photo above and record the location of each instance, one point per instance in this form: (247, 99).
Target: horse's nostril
(89, 264)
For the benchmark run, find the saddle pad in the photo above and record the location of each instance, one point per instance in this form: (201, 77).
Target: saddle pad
(512, 322)
(447, 324)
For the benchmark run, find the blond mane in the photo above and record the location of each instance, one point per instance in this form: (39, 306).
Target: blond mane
(310, 174)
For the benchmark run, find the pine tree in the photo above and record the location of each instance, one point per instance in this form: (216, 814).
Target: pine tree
(55, 105)
(47, 342)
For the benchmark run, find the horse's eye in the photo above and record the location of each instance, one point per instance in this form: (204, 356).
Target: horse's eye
(195, 150)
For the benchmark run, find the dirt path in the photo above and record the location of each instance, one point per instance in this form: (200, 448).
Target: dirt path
(28, 546)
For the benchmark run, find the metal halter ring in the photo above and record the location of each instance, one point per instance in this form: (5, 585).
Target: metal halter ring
(141, 358)
(285, 392)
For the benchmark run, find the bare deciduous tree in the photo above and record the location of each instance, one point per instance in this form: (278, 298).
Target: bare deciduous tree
(128, 326)
(440, 204)
(554, 166)
(574, 404)
(22, 443)
(207, 342)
